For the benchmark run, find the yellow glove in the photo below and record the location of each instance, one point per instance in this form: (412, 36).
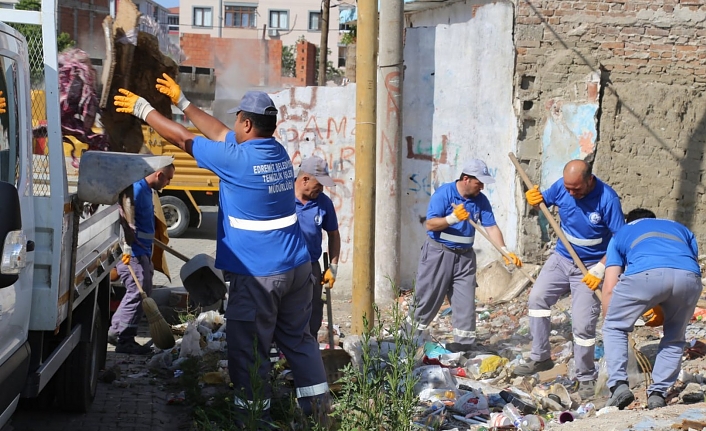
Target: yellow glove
(127, 254)
(594, 276)
(513, 258)
(330, 276)
(654, 316)
(131, 103)
(170, 88)
(3, 104)
(458, 215)
(534, 196)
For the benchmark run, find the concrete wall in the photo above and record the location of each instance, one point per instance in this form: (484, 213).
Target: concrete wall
(321, 121)
(457, 105)
(641, 66)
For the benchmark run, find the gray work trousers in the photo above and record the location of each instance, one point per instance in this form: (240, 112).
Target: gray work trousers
(263, 309)
(129, 313)
(558, 276)
(443, 272)
(677, 292)
(317, 303)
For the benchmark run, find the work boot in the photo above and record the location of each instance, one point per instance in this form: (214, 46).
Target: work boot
(132, 347)
(587, 389)
(655, 401)
(533, 367)
(112, 338)
(620, 395)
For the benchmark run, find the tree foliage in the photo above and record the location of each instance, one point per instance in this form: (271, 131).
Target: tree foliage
(33, 34)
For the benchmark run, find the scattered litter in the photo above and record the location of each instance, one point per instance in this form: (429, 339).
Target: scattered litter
(176, 398)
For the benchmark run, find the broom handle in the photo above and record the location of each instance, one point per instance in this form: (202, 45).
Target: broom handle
(482, 231)
(170, 250)
(553, 222)
(137, 282)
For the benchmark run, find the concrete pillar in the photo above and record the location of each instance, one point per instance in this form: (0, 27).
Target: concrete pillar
(389, 137)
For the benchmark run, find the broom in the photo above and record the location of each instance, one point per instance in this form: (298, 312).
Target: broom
(160, 331)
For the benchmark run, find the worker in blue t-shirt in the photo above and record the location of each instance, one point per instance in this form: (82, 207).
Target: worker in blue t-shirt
(447, 264)
(315, 213)
(591, 214)
(658, 260)
(137, 221)
(259, 247)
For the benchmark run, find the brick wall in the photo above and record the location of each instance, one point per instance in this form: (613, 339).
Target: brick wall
(651, 59)
(82, 20)
(255, 62)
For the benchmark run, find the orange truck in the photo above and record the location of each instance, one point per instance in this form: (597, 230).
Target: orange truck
(190, 189)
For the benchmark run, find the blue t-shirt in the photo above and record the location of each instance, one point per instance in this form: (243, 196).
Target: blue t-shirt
(589, 222)
(258, 233)
(144, 219)
(654, 243)
(461, 234)
(314, 216)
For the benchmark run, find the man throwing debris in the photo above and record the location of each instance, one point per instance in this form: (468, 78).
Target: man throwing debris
(260, 247)
(590, 215)
(137, 220)
(447, 265)
(661, 272)
(316, 213)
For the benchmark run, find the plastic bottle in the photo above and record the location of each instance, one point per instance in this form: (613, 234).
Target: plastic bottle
(513, 414)
(531, 423)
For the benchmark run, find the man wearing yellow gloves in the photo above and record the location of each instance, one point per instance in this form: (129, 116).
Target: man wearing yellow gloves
(591, 214)
(316, 213)
(662, 275)
(447, 265)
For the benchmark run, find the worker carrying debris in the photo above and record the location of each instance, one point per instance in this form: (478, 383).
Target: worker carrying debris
(447, 264)
(316, 213)
(591, 214)
(138, 229)
(658, 260)
(260, 247)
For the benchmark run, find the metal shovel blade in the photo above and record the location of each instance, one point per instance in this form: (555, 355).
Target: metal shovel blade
(102, 175)
(203, 280)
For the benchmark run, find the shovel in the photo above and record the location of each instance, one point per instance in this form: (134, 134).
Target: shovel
(334, 359)
(329, 312)
(201, 279)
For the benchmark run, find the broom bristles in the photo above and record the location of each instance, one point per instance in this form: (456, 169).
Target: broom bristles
(160, 331)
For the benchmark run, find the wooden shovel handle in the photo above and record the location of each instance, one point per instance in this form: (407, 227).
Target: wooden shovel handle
(168, 249)
(549, 216)
(482, 231)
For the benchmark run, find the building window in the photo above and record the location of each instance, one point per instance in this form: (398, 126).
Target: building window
(315, 21)
(240, 16)
(173, 21)
(279, 19)
(203, 17)
(342, 56)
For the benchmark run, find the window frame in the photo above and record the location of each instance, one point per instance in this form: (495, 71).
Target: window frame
(279, 13)
(202, 9)
(232, 10)
(308, 22)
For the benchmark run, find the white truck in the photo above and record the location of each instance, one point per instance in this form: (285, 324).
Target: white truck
(55, 264)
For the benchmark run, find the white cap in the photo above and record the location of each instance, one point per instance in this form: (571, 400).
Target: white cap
(477, 168)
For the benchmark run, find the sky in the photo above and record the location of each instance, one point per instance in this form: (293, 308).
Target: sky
(168, 3)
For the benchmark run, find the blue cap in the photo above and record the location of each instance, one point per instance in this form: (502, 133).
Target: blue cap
(257, 102)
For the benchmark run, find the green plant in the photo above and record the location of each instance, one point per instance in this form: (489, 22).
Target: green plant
(289, 61)
(350, 37)
(381, 395)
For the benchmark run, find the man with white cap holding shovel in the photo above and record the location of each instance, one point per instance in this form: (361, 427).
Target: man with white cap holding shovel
(447, 265)
(316, 213)
(260, 247)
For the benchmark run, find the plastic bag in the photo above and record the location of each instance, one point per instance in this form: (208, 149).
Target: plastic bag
(190, 342)
(433, 377)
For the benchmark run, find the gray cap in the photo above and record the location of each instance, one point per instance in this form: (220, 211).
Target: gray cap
(317, 167)
(477, 168)
(257, 102)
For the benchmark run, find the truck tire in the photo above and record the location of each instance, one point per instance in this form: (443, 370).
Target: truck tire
(177, 215)
(77, 379)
